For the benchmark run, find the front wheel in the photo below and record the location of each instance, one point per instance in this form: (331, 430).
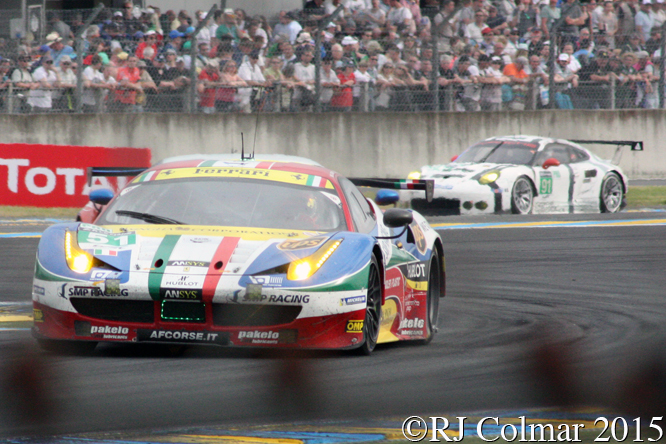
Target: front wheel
(611, 195)
(434, 293)
(522, 196)
(373, 309)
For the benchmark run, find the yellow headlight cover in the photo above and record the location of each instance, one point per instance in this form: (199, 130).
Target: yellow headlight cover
(77, 259)
(306, 267)
(414, 175)
(489, 177)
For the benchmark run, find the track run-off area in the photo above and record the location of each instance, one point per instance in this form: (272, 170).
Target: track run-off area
(558, 325)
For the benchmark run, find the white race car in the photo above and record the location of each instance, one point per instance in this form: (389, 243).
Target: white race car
(523, 175)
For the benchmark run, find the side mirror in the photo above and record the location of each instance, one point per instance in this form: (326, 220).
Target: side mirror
(550, 162)
(453, 159)
(101, 196)
(386, 197)
(397, 217)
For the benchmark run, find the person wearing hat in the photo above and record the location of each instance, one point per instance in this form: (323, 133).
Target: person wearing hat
(287, 27)
(41, 98)
(228, 26)
(63, 97)
(646, 87)
(250, 71)
(488, 43)
(565, 82)
(209, 81)
(57, 48)
(329, 81)
(644, 20)
(150, 41)
(343, 98)
(23, 82)
(595, 78)
(492, 79)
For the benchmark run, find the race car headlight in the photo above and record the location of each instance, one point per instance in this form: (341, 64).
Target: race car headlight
(306, 267)
(77, 259)
(489, 177)
(414, 175)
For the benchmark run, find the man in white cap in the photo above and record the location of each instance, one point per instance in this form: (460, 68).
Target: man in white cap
(644, 20)
(57, 48)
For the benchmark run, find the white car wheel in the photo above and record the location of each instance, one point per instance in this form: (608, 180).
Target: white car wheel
(522, 196)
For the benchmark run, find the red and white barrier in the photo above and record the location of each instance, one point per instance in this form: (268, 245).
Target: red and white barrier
(55, 175)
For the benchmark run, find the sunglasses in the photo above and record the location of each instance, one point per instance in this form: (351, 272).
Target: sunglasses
(49, 62)
(64, 64)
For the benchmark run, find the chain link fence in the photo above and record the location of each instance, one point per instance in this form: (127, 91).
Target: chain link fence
(142, 63)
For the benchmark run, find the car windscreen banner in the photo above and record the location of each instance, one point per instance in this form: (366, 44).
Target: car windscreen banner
(55, 175)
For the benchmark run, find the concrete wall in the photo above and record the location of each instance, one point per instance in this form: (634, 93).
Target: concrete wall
(377, 144)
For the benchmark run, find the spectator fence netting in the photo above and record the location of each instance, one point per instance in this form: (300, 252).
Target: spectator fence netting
(140, 70)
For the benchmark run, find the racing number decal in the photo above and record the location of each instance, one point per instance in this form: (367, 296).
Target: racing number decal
(546, 184)
(111, 240)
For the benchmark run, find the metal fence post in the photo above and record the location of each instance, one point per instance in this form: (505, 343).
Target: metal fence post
(10, 98)
(662, 66)
(612, 92)
(78, 38)
(321, 25)
(190, 96)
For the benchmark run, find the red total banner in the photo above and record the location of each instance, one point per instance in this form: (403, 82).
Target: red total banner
(55, 175)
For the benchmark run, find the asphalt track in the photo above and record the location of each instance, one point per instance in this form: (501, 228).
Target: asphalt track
(569, 312)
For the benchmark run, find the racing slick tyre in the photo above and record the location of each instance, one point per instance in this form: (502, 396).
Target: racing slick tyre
(66, 347)
(612, 194)
(373, 309)
(434, 292)
(522, 196)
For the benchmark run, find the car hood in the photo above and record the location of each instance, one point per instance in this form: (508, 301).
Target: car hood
(458, 172)
(196, 249)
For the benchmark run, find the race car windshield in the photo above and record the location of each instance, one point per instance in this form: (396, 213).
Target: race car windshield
(228, 202)
(493, 151)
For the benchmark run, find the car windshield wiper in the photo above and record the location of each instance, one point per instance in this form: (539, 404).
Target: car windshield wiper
(150, 218)
(491, 152)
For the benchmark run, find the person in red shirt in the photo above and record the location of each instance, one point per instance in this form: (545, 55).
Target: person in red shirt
(150, 41)
(209, 82)
(128, 85)
(343, 97)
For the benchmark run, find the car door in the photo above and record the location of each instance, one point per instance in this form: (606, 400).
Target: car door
(555, 184)
(587, 180)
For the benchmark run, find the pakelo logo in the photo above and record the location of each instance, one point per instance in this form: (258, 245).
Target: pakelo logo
(354, 326)
(108, 332)
(412, 323)
(302, 243)
(259, 337)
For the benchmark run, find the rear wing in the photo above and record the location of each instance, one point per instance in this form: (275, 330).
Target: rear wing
(112, 172)
(427, 185)
(636, 145)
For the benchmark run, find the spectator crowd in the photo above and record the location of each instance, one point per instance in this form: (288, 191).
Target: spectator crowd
(397, 55)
